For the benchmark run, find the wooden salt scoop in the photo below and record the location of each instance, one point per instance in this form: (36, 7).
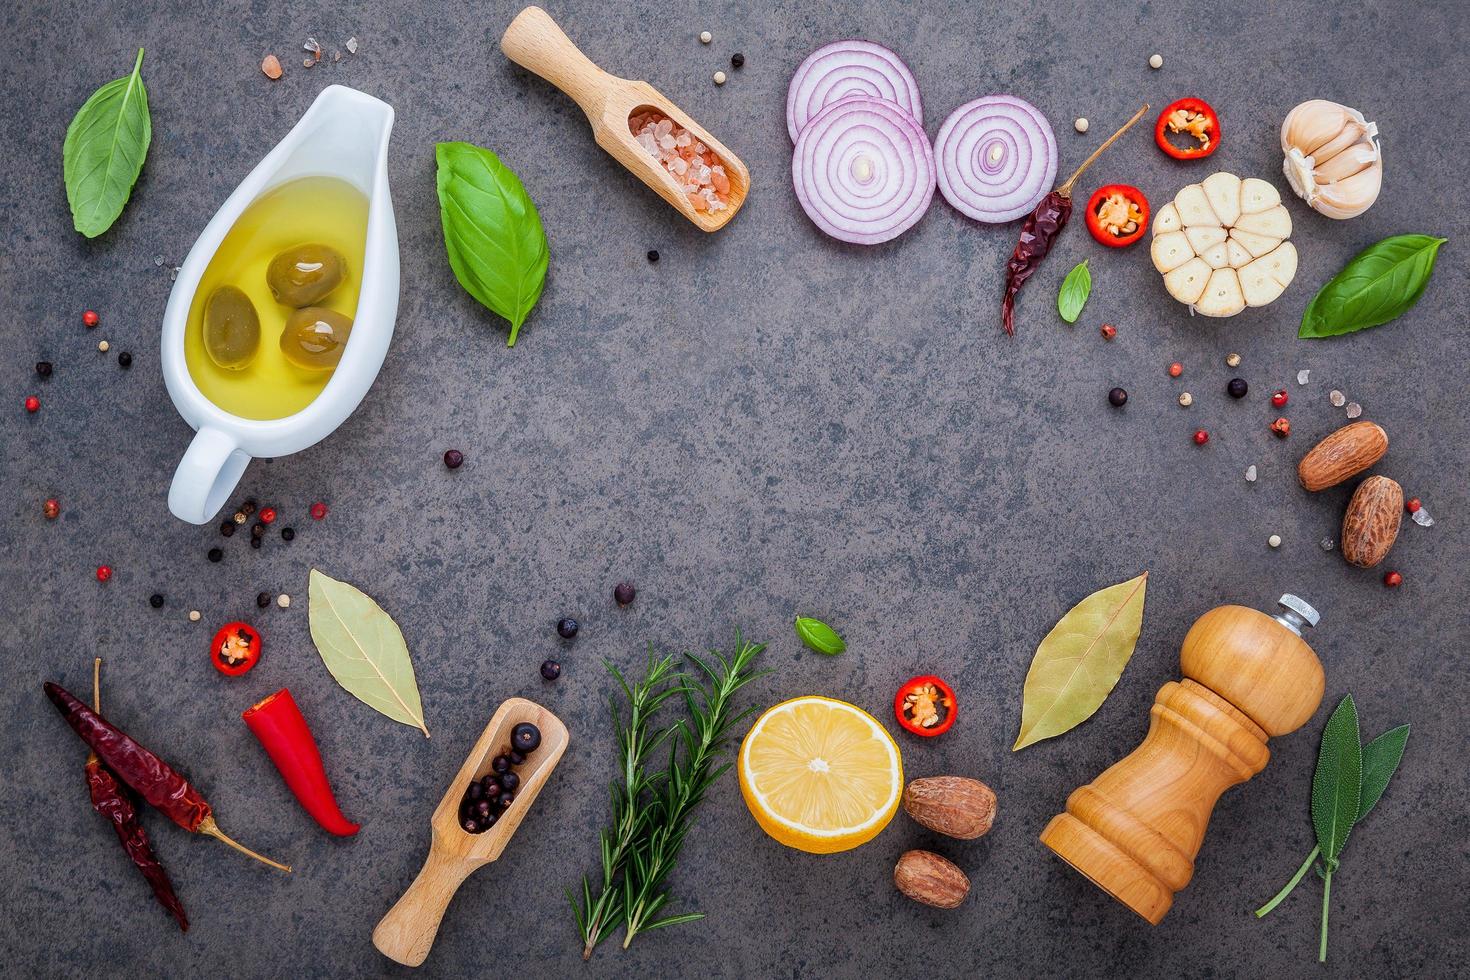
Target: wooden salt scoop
(534, 41)
(407, 932)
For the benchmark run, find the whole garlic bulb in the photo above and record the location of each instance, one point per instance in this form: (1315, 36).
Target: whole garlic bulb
(1333, 160)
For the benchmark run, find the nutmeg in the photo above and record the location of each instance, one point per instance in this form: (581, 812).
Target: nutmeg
(1372, 521)
(955, 806)
(926, 877)
(1343, 454)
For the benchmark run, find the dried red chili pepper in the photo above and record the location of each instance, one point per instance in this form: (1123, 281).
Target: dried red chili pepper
(148, 775)
(1117, 215)
(1191, 116)
(109, 799)
(1041, 229)
(279, 725)
(926, 706)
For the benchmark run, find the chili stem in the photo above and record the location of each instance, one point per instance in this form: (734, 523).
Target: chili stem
(1066, 189)
(211, 829)
(1295, 879)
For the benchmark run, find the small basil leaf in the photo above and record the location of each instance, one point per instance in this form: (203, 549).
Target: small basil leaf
(819, 636)
(1381, 283)
(104, 150)
(1380, 759)
(492, 232)
(1337, 785)
(1075, 290)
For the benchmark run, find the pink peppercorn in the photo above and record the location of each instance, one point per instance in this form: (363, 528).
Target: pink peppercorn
(318, 511)
(104, 572)
(1412, 505)
(1282, 427)
(1280, 398)
(267, 515)
(33, 404)
(52, 509)
(1108, 331)
(1393, 580)
(1176, 369)
(90, 318)
(1201, 437)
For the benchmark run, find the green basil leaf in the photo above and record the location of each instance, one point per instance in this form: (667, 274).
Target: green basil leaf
(819, 636)
(1381, 283)
(492, 232)
(1380, 759)
(1075, 290)
(104, 150)
(1337, 785)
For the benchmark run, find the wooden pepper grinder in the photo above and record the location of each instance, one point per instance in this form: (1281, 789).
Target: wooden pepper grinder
(1134, 831)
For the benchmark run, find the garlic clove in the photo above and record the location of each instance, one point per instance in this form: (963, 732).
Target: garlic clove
(1170, 250)
(1167, 219)
(1258, 285)
(1275, 223)
(1350, 197)
(1256, 245)
(1237, 256)
(1222, 295)
(1257, 195)
(1187, 283)
(1312, 124)
(1216, 256)
(1352, 134)
(1280, 263)
(1194, 207)
(1355, 159)
(1222, 190)
(1205, 237)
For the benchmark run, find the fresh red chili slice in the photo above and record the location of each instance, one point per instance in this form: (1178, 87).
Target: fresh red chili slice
(1191, 117)
(283, 731)
(925, 706)
(235, 649)
(1117, 215)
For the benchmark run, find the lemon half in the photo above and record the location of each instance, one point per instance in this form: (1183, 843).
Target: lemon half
(820, 775)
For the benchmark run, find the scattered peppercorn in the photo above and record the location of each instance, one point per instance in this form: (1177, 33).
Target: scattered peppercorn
(453, 458)
(1108, 331)
(215, 555)
(653, 255)
(1117, 398)
(33, 404)
(194, 615)
(1186, 399)
(227, 528)
(51, 508)
(1237, 387)
(624, 593)
(1176, 369)
(1232, 360)
(719, 78)
(255, 542)
(1279, 398)
(1201, 437)
(1411, 505)
(104, 346)
(124, 360)
(240, 517)
(268, 515)
(283, 600)
(90, 318)
(156, 601)
(737, 60)
(1281, 427)
(318, 511)
(551, 670)
(263, 599)
(288, 534)
(104, 572)
(1393, 580)
(1274, 540)
(567, 627)
(43, 369)
(248, 507)
(257, 530)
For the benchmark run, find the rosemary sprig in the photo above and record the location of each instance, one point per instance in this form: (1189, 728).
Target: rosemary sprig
(637, 740)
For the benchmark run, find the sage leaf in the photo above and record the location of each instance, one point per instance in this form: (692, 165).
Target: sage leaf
(1080, 660)
(1380, 760)
(1380, 284)
(364, 650)
(492, 232)
(1074, 292)
(819, 636)
(1337, 785)
(104, 150)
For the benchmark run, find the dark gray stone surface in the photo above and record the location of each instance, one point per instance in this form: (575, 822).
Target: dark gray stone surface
(763, 424)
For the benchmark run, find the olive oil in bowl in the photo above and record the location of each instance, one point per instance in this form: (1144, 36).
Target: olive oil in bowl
(275, 305)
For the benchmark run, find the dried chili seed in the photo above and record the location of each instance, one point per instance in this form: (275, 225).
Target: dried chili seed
(52, 509)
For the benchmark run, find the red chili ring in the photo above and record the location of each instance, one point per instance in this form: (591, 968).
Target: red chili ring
(1100, 231)
(946, 700)
(233, 636)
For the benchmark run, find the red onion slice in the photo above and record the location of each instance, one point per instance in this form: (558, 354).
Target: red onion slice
(845, 68)
(997, 158)
(863, 170)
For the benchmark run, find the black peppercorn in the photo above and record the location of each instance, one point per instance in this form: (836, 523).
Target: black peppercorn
(1237, 387)
(288, 533)
(43, 368)
(453, 458)
(653, 255)
(737, 60)
(156, 601)
(257, 530)
(567, 627)
(125, 360)
(248, 507)
(263, 599)
(255, 543)
(216, 555)
(624, 593)
(551, 670)
(1117, 398)
(227, 528)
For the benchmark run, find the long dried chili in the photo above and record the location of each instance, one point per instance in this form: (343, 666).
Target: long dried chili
(148, 775)
(110, 800)
(1040, 230)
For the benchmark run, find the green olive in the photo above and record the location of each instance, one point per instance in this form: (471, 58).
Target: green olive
(314, 337)
(231, 328)
(305, 274)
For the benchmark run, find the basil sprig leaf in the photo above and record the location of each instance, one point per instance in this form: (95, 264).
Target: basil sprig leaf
(1380, 284)
(819, 636)
(1074, 292)
(104, 150)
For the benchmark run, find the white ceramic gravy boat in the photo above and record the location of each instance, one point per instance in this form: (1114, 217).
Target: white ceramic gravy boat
(345, 135)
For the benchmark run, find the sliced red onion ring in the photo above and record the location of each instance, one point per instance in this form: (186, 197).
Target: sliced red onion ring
(845, 68)
(997, 158)
(863, 170)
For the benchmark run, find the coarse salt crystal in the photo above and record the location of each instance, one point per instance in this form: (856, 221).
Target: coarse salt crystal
(1326, 544)
(1422, 518)
(1250, 473)
(351, 45)
(312, 46)
(1303, 376)
(1337, 398)
(1354, 410)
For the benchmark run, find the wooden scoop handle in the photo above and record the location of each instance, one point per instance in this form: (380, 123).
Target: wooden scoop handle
(534, 41)
(407, 932)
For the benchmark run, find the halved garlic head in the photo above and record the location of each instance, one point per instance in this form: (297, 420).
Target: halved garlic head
(1333, 160)
(1221, 245)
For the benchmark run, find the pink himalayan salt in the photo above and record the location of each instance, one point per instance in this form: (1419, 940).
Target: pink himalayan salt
(695, 167)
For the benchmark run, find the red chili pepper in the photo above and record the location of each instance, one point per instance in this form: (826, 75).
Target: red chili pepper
(148, 775)
(1117, 215)
(1193, 117)
(279, 725)
(925, 706)
(234, 649)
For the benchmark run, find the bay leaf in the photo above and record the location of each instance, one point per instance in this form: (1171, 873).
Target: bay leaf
(364, 649)
(1337, 785)
(1080, 660)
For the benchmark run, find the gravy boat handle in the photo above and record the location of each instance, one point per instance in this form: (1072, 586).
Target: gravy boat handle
(210, 469)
